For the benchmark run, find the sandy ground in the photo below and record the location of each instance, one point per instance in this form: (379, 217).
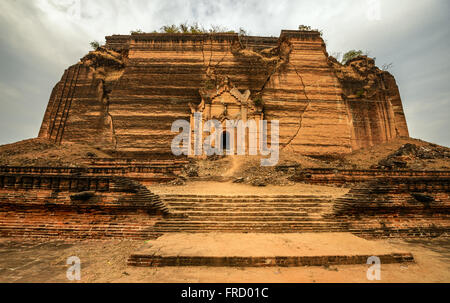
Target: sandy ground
(230, 188)
(264, 245)
(105, 261)
(40, 152)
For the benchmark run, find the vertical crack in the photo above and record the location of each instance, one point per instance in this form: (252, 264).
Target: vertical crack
(107, 119)
(219, 62)
(304, 111)
(203, 51)
(112, 127)
(210, 50)
(274, 70)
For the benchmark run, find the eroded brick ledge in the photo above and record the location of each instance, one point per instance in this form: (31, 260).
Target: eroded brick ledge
(283, 261)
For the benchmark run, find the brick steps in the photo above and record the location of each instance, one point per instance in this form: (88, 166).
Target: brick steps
(295, 214)
(246, 218)
(247, 213)
(142, 195)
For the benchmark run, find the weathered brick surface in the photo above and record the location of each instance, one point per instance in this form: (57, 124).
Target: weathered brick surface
(351, 177)
(394, 208)
(248, 213)
(49, 222)
(64, 202)
(124, 97)
(147, 172)
(284, 261)
(37, 205)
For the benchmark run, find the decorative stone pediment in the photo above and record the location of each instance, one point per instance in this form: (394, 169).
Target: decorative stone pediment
(226, 102)
(225, 93)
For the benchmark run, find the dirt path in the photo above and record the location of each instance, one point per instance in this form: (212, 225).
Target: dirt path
(235, 164)
(105, 261)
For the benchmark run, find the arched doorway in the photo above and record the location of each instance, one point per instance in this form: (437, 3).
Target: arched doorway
(225, 142)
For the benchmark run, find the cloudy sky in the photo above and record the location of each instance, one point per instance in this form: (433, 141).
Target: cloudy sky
(41, 38)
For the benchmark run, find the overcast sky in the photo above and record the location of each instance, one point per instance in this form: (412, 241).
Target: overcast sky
(39, 39)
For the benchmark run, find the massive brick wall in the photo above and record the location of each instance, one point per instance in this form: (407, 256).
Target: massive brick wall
(146, 172)
(350, 177)
(392, 207)
(125, 96)
(39, 205)
(17, 189)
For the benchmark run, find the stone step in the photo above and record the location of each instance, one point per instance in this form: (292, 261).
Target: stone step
(284, 261)
(244, 196)
(212, 215)
(241, 212)
(194, 218)
(247, 208)
(243, 200)
(251, 230)
(248, 218)
(252, 250)
(238, 224)
(250, 204)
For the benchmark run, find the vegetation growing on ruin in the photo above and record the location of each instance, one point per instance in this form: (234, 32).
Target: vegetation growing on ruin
(95, 45)
(258, 101)
(307, 28)
(387, 66)
(350, 55)
(194, 28)
(360, 93)
(138, 31)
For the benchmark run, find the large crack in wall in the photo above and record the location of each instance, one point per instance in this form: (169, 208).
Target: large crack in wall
(302, 113)
(108, 67)
(107, 133)
(108, 105)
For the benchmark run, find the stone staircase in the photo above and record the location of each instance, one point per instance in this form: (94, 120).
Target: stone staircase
(249, 213)
(143, 197)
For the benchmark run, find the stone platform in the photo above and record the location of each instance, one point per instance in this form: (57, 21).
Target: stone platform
(263, 249)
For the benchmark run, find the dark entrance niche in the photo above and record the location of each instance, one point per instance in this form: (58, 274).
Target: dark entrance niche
(225, 142)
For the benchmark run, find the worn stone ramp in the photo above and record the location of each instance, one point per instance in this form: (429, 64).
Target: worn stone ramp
(263, 249)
